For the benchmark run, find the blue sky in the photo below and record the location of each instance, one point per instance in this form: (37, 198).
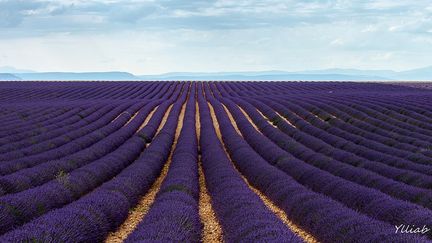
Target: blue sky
(149, 37)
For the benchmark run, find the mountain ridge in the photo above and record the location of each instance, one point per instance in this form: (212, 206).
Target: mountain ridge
(336, 74)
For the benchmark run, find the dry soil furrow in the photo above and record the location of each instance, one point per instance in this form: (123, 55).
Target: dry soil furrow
(145, 203)
(212, 231)
(147, 119)
(269, 204)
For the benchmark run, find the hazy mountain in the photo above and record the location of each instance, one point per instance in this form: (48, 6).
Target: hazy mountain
(421, 74)
(337, 74)
(261, 76)
(8, 69)
(8, 77)
(354, 72)
(65, 76)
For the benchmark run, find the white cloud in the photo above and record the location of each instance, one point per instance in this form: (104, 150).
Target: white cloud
(384, 56)
(370, 28)
(222, 35)
(388, 4)
(337, 42)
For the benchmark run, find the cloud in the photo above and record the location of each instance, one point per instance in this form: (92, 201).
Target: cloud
(53, 15)
(12, 12)
(337, 42)
(215, 35)
(418, 25)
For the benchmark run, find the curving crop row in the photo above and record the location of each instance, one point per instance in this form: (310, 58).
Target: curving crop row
(90, 218)
(174, 213)
(243, 216)
(328, 220)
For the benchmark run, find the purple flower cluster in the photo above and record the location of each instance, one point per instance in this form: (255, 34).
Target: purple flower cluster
(241, 212)
(342, 161)
(174, 213)
(347, 193)
(92, 216)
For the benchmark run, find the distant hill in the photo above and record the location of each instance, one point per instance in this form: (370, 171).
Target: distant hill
(8, 77)
(353, 72)
(67, 76)
(262, 76)
(337, 74)
(12, 70)
(422, 74)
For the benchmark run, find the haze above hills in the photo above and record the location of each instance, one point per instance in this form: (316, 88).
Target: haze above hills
(337, 74)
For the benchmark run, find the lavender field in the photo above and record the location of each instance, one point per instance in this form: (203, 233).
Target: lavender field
(215, 162)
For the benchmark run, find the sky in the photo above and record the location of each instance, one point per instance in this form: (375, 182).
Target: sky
(151, 37)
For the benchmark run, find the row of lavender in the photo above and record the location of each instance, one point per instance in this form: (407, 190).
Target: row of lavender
(35, 185)
(311, 170)
(341, 163)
